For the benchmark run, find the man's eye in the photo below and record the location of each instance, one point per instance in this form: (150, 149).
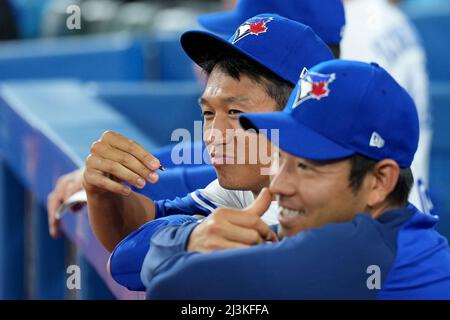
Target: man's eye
(207, 114)
(234, 112)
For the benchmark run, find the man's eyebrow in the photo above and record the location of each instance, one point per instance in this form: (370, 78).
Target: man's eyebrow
(227, 100)
(236, 99)
(319, 163)
(202, 101)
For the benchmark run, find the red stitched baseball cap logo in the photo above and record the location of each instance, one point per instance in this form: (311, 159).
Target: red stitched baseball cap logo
(254, 26)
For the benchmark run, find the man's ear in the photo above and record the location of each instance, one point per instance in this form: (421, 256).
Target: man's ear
(384, 177)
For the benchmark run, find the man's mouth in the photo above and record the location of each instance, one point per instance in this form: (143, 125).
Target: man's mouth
(218, 158)
(290, 218)
(290, 213)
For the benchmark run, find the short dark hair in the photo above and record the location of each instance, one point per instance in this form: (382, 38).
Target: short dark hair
(235, 65)
(361, 165)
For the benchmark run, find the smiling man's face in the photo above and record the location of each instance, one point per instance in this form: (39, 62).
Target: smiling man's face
(232, 150)
(312, 193)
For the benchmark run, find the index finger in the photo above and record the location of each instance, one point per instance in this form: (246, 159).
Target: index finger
(130, 146)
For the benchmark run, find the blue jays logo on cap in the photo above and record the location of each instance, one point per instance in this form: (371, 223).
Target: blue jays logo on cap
(313, 85)
(254, 26)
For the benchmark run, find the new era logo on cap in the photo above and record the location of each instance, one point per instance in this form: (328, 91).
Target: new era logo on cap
(376, 141)
(312, 85)
(254, 26)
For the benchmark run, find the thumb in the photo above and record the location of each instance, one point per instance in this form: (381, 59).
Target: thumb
(261, 203)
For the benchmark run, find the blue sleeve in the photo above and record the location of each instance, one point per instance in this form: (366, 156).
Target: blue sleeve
(178, 181)
(127, 258)
(326, 263)
(186, 205)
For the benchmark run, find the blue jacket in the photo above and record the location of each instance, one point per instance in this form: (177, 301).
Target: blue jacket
(400, 255)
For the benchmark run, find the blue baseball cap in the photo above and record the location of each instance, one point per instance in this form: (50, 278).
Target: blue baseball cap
(341, 108)
(325, 17)
(278, 44)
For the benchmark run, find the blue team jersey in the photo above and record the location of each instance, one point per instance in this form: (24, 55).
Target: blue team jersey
(193, 203)
(126, 260)
(128, 256)
(338, 261)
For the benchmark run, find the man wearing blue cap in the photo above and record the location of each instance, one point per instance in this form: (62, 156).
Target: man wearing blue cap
(327, 18)
(372, 32)
(245, 74)
(347, 139)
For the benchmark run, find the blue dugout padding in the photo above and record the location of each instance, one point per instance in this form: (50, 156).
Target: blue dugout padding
(85, 58)
(47, 129)
(148, 104)
(173, 62)
(115, 57)
(46, 281)
(12, 234)
(40, 143)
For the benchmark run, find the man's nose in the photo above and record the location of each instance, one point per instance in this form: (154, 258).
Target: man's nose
(282, 183)
(217, 133)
